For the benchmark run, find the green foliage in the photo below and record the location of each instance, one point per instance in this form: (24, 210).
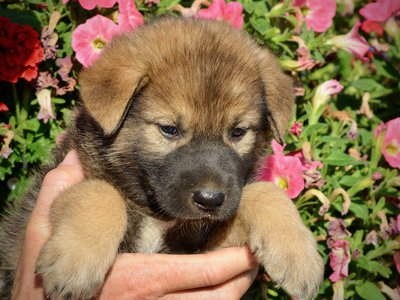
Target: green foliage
(359, 187)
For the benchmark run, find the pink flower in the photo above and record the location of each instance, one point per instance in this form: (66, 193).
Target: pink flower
(129, 18)
(325, 91)
(339, 258)
(396, 259)
(89, 39)
(391, 141)
(381, 10)
(220, 10)
(284, 171)
(91, 4)
(320, 13)
(296, 128)
(351, 42)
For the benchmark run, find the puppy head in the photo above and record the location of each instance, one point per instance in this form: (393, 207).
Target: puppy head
(191, 106)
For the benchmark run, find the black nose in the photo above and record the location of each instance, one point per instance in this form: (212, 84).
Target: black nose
(208, 200)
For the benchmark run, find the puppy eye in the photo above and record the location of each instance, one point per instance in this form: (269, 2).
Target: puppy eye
(238, 133)
(169, 131)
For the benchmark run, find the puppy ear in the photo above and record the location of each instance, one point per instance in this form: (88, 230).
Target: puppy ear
(279, 94)
(109, 86)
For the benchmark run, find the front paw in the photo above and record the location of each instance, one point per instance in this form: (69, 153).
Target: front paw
(292, 261)
(70, 270)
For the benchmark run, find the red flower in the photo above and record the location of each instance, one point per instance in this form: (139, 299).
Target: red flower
(20, 51)
(372, 26)
(3, 107)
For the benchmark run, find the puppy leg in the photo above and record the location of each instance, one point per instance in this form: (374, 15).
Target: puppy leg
(88, 223)
(270, 224)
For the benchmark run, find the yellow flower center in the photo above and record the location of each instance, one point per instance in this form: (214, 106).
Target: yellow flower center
(393, 148)
(98, 43)
(282, 182)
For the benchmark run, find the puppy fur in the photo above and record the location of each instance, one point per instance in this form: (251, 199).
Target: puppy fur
(175, 112)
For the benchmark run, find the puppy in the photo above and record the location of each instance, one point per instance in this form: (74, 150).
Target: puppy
(174, 122)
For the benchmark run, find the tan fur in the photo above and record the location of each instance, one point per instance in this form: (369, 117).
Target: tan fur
(270, 224)
(89, 218)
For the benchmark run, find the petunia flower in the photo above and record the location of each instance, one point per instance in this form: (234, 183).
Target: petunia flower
(391, 141)
(319, 14)
(339, 259)
(220, 10)
(91, 4)
(322, 94)
(351, 42)
(283, 170)
(46, 110)
(129, 18)
(89, 39)
(381, 10)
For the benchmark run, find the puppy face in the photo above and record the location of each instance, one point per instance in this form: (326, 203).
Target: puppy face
(189, 112)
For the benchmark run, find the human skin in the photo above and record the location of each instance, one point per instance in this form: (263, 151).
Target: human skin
(221, 274)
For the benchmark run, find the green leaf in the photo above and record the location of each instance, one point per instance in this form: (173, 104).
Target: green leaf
(341, 159)
(373, 266)
(259, 24)
(22, 17)
(249, 6)
(369, 291)
(314, 128)
(360, 210)
(260, 9)
(350, 180)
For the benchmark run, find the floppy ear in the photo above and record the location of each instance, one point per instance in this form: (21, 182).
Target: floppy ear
(279, 94)
(110, 84)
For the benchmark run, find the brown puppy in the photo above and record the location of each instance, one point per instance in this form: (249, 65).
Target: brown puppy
(176, 117)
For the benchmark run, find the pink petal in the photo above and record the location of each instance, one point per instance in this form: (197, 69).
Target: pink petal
(214, 11)
(381, 10)
(339, 259)
(88, 4)
(233, 14)
(129, 18)
(321, 14)
(351, 42)
(391, 143)
(106, 3)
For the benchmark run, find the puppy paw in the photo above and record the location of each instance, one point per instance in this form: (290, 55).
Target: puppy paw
(292, 263)
(280, 240)
(73, 271)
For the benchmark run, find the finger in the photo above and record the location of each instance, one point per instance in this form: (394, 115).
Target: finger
(232, 289)
(68, 173)
(173, 273)
(38, 228)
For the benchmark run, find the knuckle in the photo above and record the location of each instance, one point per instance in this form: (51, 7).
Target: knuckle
(58, 176)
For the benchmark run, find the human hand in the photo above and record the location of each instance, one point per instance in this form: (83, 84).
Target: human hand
(225, 273)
